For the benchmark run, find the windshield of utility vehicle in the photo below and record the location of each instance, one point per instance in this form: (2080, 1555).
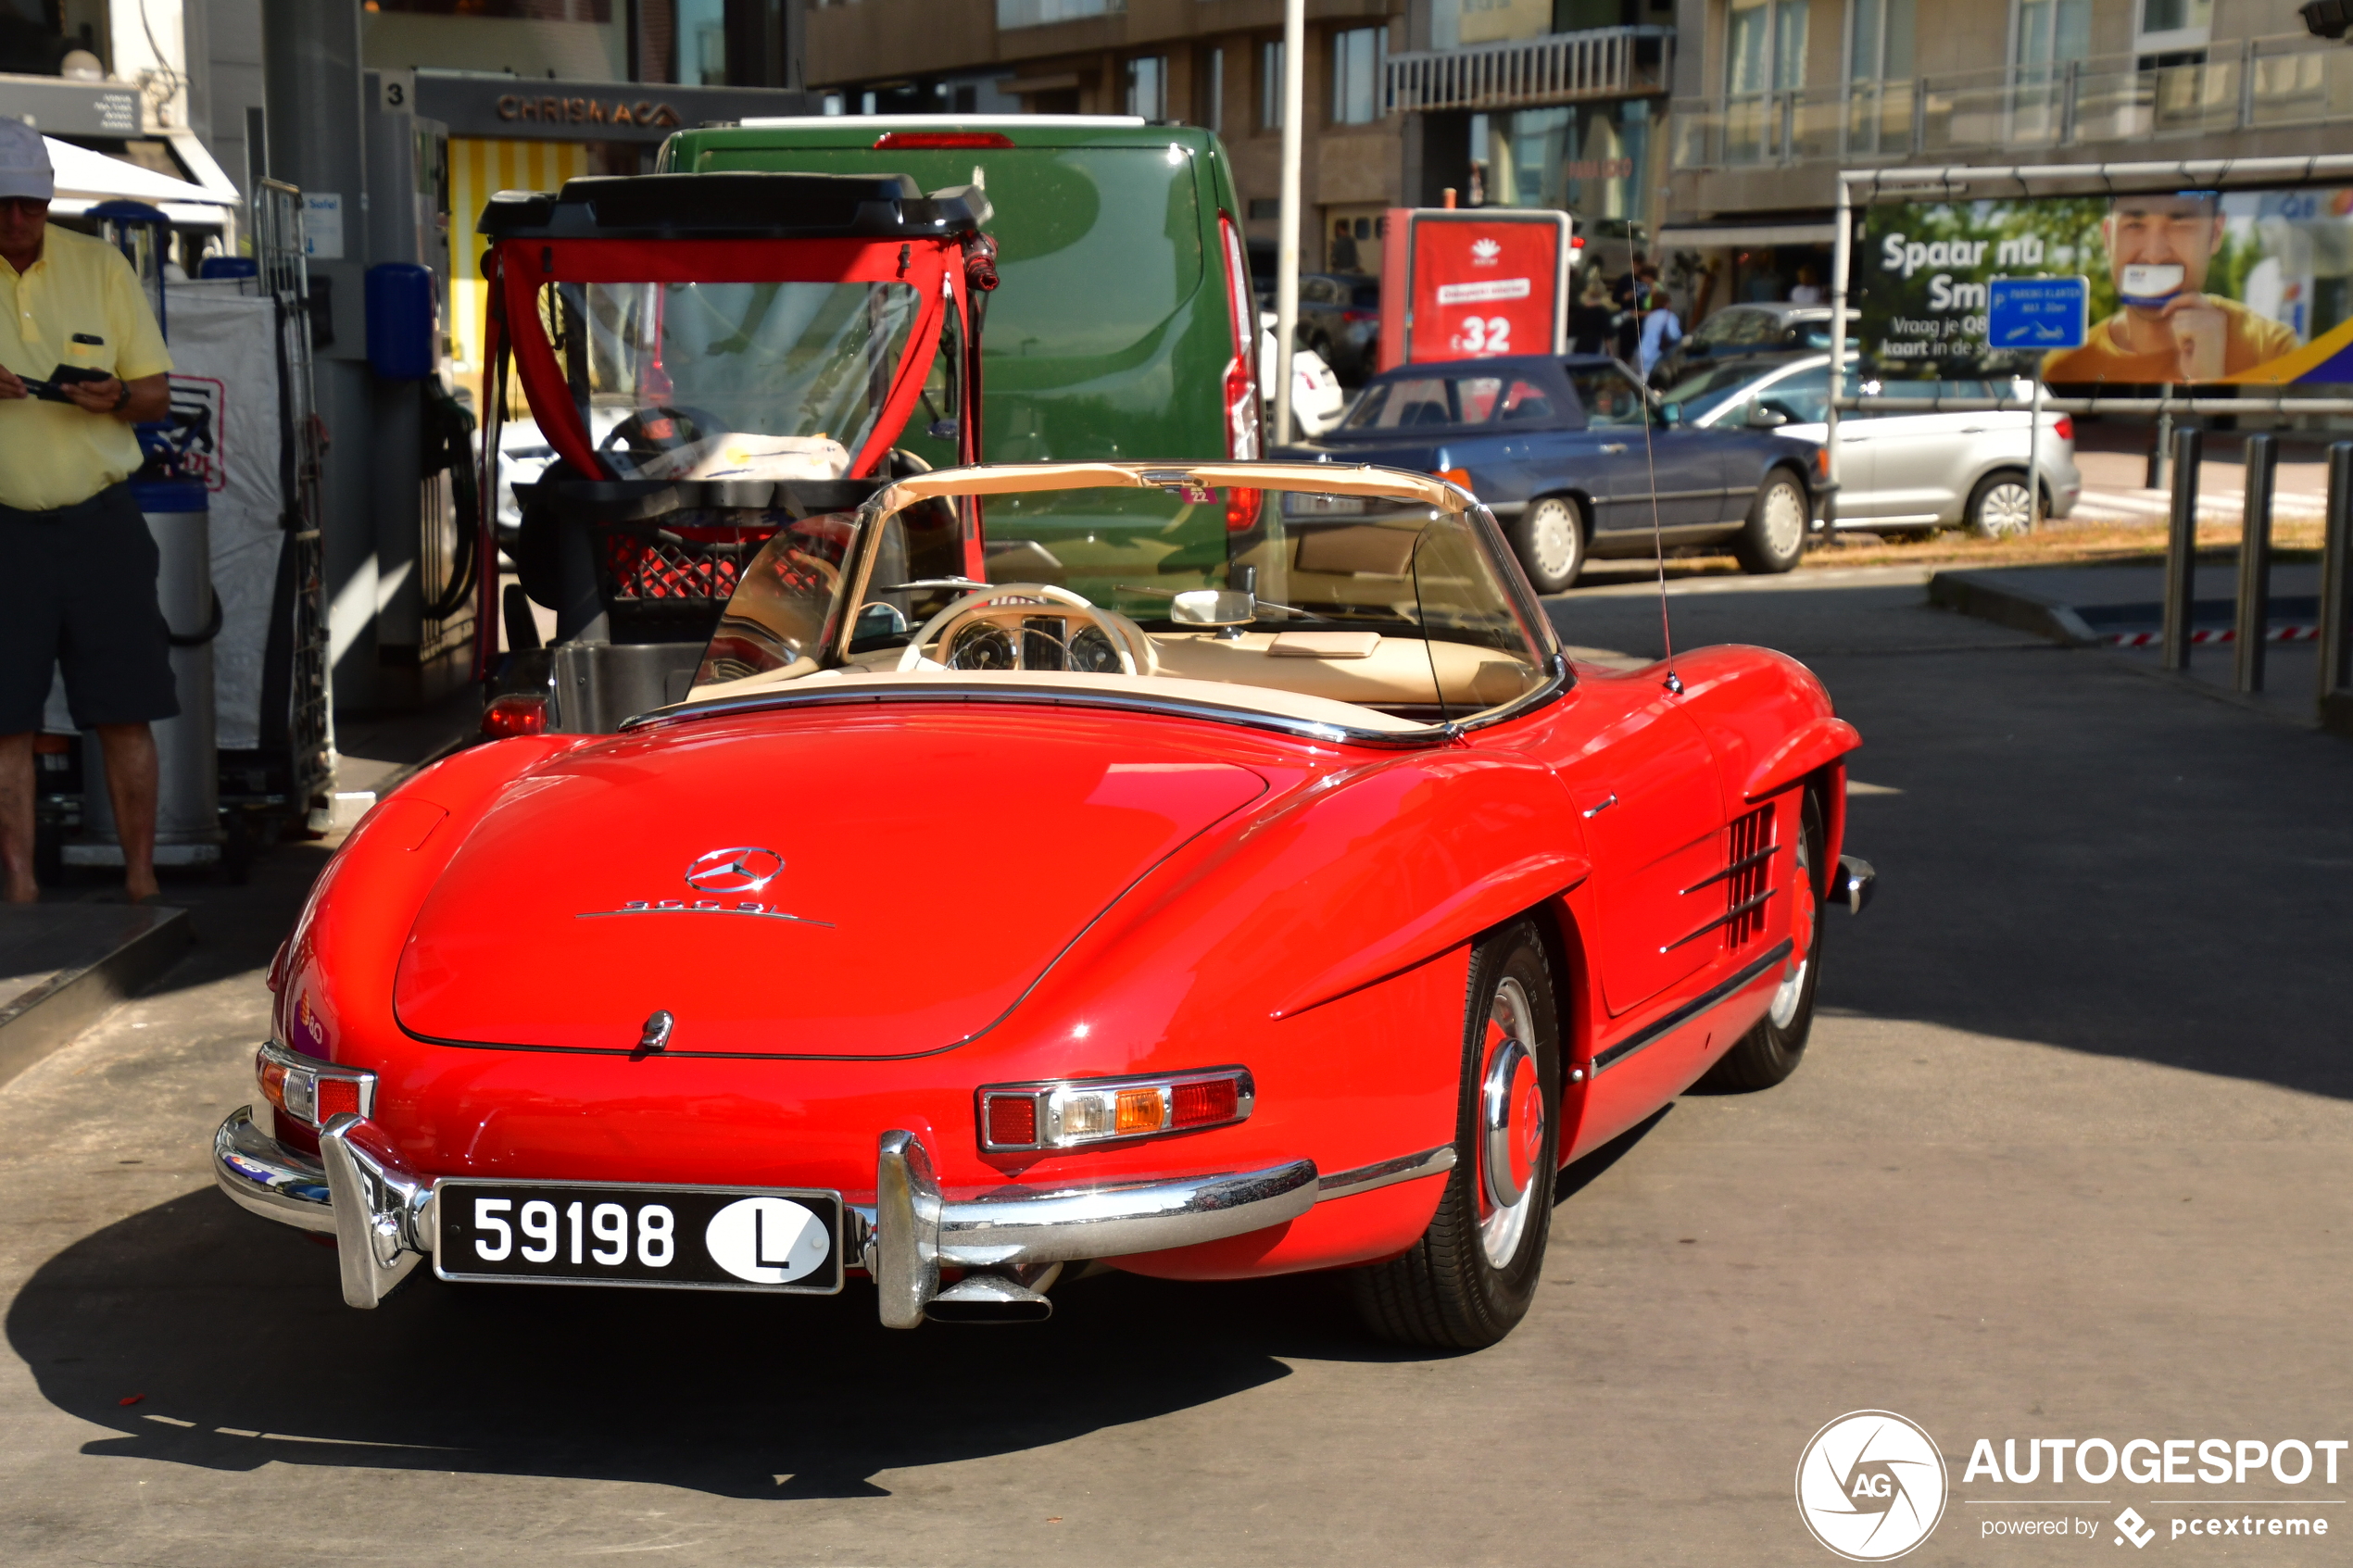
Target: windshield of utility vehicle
(713, 380)
(1399, 607)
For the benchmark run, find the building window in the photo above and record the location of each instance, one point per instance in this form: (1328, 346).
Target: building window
(1767, 51)
(2173, 28)
(1040, 13)
(1270, 85)
(1148, 86)
(703, 42)
(1358, 55)
(1211, 83)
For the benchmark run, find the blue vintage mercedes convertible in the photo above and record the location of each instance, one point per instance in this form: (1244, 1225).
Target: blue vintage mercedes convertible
(1562, 450)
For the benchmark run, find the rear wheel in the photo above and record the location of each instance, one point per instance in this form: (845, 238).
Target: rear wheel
(1770, 1052)
(1775, 535)
(1472, 1275)
(1549, 538)
(1999, 508)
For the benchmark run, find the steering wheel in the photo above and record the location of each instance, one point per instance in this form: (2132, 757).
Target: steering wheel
(1012, 602)
(635, 435)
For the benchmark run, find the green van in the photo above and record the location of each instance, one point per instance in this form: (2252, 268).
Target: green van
(1124, 326)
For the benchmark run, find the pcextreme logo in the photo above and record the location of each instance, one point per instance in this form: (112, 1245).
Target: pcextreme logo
(1870, 1486)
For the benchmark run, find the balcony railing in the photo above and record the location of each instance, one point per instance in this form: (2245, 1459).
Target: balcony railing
(2257, 85)
(1014, 14)
(1562, 68)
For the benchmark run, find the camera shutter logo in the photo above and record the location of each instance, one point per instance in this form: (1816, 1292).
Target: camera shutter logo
(1871, 1485)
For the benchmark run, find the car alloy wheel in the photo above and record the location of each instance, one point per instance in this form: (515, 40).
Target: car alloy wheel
(1550, 541)
(2002, 509)
(1473, 1273)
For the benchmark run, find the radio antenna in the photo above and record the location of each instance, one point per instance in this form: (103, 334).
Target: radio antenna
(1674, 682)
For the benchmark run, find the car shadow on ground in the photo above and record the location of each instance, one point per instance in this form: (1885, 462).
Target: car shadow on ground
(231, 1335)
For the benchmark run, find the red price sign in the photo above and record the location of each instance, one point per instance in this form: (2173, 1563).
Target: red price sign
(1482, 283)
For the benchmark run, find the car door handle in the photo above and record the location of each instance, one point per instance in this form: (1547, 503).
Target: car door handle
(1614, 447)
(1608, 798)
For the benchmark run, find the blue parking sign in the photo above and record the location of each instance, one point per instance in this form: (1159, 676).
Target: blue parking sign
(2038, 312)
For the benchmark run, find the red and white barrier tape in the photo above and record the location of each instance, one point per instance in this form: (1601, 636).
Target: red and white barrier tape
(2216, 634)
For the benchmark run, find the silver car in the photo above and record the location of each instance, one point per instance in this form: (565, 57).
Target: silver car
(1898, 473)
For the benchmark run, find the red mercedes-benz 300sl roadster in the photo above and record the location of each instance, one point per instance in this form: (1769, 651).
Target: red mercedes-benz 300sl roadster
(1245, 885)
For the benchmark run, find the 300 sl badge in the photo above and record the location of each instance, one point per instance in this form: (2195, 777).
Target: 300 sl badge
(743, 869)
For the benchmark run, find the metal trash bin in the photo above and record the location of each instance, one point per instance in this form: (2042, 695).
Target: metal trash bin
(188, 794)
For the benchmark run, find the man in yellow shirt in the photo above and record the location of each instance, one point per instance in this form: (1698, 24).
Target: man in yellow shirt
(77, 563)
(2169, 329)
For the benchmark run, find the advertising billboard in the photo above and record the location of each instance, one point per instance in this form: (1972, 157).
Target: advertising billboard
(1477, 283)
(2186, 287)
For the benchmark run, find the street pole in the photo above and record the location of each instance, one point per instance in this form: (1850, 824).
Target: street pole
(2034, 456)
(1287, 247)
(1842, 261)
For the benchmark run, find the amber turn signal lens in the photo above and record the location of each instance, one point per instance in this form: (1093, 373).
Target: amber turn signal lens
(515, 715)
(1455, 476)
(1138, 1111)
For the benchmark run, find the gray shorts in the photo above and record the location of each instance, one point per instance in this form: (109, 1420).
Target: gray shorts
(78, 589)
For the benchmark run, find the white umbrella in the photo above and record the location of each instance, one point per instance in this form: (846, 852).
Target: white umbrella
(82, 172)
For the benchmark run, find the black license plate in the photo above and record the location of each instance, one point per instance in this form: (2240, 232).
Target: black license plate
(687, 1239)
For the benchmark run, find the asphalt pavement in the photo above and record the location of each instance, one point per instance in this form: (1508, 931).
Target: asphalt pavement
(2066, 1160)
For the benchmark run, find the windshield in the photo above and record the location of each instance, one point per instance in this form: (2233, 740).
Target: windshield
(717, 380)
(1377, 612)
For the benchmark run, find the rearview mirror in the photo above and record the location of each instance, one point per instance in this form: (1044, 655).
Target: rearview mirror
(1764, 416)
(1671, 413)
(1214, 606)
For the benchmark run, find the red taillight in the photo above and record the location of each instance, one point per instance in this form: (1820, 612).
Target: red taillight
(1360, 315)
(515, 715)
(2065, 429)
(1576, 242)
(1198, 1104)
(1072, 1114)
(1242, 377)
(338, 1096)
(1013, 1121)
(1241, 509)
(909, 141)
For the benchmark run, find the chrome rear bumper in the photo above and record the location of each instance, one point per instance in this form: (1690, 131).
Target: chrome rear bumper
(381, 1217)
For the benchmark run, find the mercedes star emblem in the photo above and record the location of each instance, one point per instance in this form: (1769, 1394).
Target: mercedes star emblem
(744, 868)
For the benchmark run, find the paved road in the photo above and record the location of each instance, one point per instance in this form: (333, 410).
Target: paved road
(2067, 1160)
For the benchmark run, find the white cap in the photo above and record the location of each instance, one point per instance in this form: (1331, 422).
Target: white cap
(25, 170)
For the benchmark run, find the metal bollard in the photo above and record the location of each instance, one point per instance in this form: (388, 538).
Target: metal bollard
(2180, 548)
(2254, 563)
(2336, 579)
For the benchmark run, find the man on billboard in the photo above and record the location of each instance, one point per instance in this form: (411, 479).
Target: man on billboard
(2168, 328)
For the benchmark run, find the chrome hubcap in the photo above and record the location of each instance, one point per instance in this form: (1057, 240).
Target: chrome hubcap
(1783, 1010)
(1511, 1115)
(1552, 532)
(2006, 513)
(1784, 520)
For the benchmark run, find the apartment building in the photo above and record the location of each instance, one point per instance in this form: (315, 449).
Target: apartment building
(1773, 96)
(1524, 103)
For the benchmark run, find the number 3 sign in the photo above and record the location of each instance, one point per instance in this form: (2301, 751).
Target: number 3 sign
(1475, 285)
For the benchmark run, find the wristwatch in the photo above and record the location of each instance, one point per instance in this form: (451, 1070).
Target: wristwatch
(121, 399)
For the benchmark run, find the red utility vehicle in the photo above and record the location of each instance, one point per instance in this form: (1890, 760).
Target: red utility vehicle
(955, 932)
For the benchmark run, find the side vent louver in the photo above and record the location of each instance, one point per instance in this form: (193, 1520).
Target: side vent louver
(1748, 869)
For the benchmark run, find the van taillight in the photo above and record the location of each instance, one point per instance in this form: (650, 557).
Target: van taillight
(2065, 429)
(917, 141)
(1242, 377)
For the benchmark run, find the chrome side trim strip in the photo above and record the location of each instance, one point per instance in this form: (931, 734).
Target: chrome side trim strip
(1735, 867)
(1385, 1173)
(1688, 1010)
